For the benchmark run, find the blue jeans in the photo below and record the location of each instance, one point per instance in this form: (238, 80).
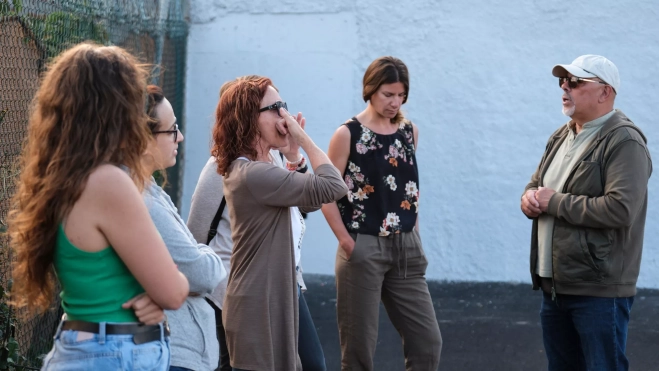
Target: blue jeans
(75, 350)
(585, 333)
(308, 345)
(225, 360)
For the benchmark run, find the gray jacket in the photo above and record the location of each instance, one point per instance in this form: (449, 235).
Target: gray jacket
(205, 203)
(193, 341)
(206, 200)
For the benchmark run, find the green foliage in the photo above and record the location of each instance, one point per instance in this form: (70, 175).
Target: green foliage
(10, 357)
(160, 177)
(59, 30)
(10, 7)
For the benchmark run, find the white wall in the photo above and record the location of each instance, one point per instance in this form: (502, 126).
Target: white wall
(482, 94)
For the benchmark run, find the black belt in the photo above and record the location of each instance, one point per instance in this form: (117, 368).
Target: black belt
(141, 333)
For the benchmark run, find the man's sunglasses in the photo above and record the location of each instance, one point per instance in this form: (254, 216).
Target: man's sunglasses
(173, 131)
(275, 106)
(574, 81)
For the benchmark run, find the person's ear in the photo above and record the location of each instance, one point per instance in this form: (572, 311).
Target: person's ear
(607, 92)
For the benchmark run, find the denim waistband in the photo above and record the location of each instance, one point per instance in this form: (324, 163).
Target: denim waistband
(102, 336)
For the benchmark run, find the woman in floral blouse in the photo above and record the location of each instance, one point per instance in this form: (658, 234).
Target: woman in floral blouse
(380, 256)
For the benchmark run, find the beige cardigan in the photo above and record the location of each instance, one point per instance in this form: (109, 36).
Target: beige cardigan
(260, 311)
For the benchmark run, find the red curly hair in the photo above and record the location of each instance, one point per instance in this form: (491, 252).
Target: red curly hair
(88, 111)
(236, 121)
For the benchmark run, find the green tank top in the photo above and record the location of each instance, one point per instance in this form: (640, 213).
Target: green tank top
(94, 284)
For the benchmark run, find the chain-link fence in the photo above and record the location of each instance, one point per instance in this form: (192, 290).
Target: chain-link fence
(31, 33)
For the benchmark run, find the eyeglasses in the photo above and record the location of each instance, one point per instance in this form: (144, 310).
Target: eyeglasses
(173, 131)
(574, 81)
(275, 106)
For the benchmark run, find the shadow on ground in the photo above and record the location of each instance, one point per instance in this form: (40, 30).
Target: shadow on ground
(485, 326)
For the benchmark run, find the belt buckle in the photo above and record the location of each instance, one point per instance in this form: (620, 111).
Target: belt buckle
(166, 326)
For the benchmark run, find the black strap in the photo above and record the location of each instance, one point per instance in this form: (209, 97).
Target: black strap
(216, 221)
(114, 328)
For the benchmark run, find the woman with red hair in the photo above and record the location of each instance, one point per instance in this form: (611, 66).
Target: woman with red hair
(260, 312)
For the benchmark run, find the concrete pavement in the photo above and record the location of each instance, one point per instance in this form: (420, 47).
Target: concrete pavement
(485, 326)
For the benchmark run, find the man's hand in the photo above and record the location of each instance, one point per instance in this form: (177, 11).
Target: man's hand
(530, 206)
(146, 310)
(543, 195)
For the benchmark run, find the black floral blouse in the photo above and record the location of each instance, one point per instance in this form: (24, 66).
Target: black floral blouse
(383, 181)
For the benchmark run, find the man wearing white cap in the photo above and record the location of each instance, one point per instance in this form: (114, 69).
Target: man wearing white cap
(588, 199)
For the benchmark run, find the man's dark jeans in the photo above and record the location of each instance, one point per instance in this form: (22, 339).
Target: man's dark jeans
(585, 333)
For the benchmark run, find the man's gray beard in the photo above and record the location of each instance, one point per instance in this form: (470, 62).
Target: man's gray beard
(569, 111)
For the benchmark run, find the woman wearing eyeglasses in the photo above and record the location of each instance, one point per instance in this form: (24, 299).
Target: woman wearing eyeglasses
(380, 255)
(260, 311)
(78, 217)
(209, 222)
(193, 341)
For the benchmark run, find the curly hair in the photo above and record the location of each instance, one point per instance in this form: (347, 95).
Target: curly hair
(88, 111)
(155, 96)
(226, 85)
(236, 121)
(386, 70)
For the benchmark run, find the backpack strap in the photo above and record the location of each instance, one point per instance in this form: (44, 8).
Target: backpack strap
(216, 221)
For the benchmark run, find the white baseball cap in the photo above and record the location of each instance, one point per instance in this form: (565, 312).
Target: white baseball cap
(590, 65)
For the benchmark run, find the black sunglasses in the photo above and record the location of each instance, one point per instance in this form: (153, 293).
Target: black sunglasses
(574, 81)
(173, 131)
(275, 106)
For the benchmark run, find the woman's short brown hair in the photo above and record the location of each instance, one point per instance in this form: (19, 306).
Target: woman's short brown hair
(386, 70)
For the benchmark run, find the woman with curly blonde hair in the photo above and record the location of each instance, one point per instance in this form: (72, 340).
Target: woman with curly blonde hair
(78, 217)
